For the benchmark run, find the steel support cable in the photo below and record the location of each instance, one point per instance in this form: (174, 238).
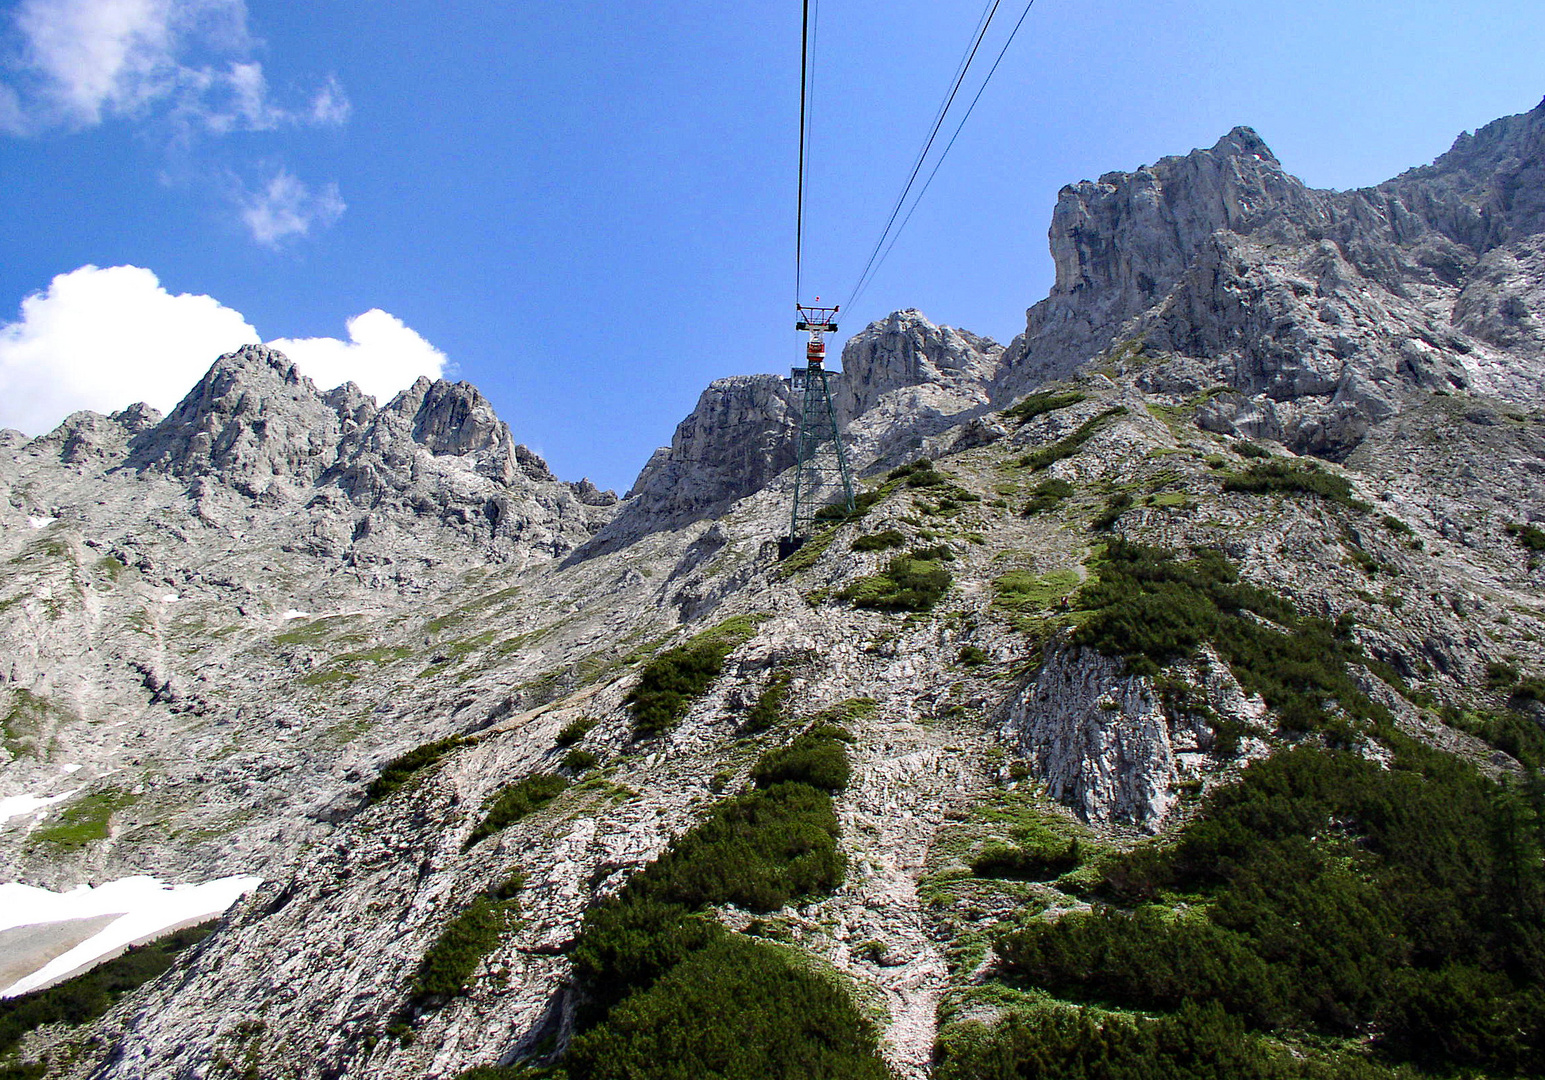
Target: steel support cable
(947, 148)
(927, 146)
(799, 214)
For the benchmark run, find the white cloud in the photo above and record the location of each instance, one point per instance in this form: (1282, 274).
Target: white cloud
(103, 339)
(287, 208)
(85, 60)
(382, 356)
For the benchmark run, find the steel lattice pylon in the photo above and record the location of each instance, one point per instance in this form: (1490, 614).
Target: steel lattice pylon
(822, 482)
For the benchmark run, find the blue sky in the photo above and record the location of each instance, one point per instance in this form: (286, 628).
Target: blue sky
(586, 208)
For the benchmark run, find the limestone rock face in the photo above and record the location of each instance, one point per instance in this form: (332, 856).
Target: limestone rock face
(253, 421)
(734, 442)
(902, 379)
(905, 349)
(1323, 311)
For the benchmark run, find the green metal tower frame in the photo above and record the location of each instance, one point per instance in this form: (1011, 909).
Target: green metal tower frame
(820, 464)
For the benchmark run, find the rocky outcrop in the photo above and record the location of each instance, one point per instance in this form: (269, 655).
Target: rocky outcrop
(1324, 312)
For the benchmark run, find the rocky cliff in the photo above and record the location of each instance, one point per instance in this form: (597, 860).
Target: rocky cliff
(1098, 575)
(1321, 311)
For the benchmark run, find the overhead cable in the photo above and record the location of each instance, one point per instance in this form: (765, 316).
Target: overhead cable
(922, 156)
(864, 282)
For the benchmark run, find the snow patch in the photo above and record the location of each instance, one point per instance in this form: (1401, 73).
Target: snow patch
(22, 805)
(40, 522)
(170, 598)
(148, 908)
(68, 769)
(293, 613)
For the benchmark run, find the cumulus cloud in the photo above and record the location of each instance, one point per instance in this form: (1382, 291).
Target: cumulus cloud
(85, 60)
(286, 209)
(104, 338)
(382, 355)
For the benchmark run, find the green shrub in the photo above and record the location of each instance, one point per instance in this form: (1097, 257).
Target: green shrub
(815, 758)
(1047, 496)
(1292, 478)
(90, 994)
(1247, 449)
(514, 802)
(1199, 1042)
(972, 656)
(577, 760)
(1153, 610)
(1034, 863)
(574, 731)
(1047, 456)
(400, 770)
(670, 682)
(1337, 895)
(1115, 506)
(1029, 407)
(1395, 525)
(736, 1009)
(879, 541)
(1529, 536)
(1027, 592)
(466, 940)
(767, 711)
(912, 582)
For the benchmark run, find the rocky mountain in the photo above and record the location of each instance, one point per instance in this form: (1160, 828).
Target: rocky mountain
(1178, 683)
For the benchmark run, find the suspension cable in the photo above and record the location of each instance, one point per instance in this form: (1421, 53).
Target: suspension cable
(804, 97)
(933, 134)
(864, 284)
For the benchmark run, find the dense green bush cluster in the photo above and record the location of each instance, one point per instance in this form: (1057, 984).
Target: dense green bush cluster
(1529, 536)
(1401, 903)
(525, 796)
(1152, 609)
(1199, 1042)
(915, 581)
(574, 731)
(1047, 496)
(90, 994)
(670, 993)
(466, 939)
(737, 1009)
(670, 682)
(1069, 445)
(1026, 862)
(1115, 506)
(1029, 407)
(1245, 448)
(817, 758)
(880, 541)
(400, 770)
(1292, 478)
(767, 711)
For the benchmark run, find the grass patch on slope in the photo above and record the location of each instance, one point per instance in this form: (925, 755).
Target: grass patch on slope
(915, 581)
(670, 682)
(85, 820)
(518, 800)
(1069, 445)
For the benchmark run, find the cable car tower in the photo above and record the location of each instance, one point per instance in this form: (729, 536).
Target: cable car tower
(823, 487)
